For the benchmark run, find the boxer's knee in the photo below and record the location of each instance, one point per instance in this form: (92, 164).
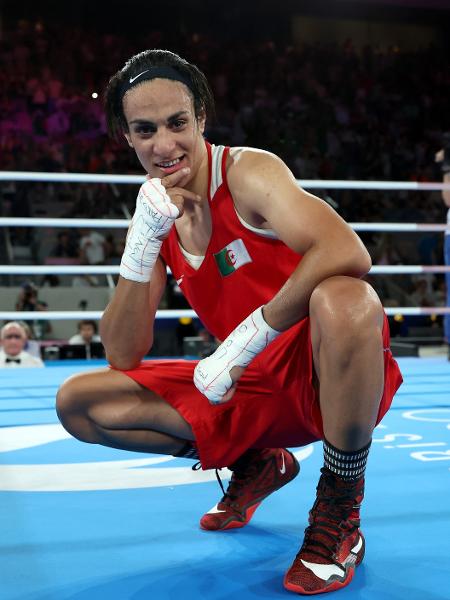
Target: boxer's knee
(72, 408)
(346, 313)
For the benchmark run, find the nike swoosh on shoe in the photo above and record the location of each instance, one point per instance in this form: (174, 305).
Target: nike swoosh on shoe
(283, 466)
(358, 546)
(324, 572)
(215, 510)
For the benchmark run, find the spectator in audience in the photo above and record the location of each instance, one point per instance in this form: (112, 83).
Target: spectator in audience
(85, 281)
(443, 157)
(66, 246)
(32, 346)
(87, 333)
(113, 250)
(92, 248)
(41, 328)
(422, 293)
(28, 297)
(12, 353)
(386, 251)
(28, 301)
(50, 280)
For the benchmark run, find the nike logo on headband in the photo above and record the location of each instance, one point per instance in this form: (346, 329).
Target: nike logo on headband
(137, 76)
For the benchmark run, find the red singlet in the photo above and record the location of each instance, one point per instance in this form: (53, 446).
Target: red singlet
(275, 403)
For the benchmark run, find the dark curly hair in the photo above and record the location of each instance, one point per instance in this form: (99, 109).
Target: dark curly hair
(199, 89)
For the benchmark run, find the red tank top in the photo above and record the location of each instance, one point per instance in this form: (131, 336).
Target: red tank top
(241, 269)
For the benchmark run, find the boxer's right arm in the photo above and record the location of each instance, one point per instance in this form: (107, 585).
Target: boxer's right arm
(126, 327)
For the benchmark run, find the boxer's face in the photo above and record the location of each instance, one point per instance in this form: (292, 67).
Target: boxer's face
(163, 128)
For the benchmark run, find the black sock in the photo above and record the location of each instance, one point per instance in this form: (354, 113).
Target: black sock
(349, 466)
(189, 450)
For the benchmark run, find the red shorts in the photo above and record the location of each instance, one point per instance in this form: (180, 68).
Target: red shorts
(275, 403)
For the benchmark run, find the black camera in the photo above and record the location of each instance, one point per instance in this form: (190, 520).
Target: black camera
(29, 288)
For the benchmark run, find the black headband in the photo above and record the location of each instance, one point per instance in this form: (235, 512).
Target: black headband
(154, 73)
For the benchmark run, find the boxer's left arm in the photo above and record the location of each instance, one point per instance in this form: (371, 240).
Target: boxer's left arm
(264, 189)
(263, 184)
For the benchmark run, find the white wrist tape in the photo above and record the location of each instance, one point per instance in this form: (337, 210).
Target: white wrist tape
(153, 218)
(212, 374)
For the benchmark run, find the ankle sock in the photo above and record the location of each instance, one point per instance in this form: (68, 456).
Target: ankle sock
(189, 450)
(349, 466)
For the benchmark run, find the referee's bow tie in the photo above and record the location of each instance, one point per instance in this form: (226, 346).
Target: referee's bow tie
(16, 360)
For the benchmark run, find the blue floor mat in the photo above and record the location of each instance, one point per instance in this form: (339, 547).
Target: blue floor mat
(83, 522)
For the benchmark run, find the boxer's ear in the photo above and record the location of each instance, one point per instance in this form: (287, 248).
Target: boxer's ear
(201, 121)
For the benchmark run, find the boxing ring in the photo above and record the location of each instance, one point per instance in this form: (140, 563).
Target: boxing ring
(84, 522)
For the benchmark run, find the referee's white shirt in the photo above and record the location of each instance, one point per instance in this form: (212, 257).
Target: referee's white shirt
(25, 360)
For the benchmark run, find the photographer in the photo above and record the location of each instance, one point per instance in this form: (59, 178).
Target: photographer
(28, 297)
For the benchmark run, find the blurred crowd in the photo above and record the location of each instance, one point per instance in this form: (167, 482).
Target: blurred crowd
(330, 111)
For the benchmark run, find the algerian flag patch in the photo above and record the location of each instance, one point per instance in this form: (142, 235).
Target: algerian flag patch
(233, 256)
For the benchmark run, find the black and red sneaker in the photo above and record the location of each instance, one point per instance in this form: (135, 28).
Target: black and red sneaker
(255, 476)
(334, 544)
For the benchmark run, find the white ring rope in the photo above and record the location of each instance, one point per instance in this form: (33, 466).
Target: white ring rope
(335, 184)
(44, 222)
(114, 269)
(59, 315)
(123, 223)
(398, 226)
(178, 313)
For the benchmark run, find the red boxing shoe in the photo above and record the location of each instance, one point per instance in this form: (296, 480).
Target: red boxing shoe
(334, 544)
(256, 475)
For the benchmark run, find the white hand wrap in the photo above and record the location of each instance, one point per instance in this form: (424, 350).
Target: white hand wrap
(212, 374)
(153, 218)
